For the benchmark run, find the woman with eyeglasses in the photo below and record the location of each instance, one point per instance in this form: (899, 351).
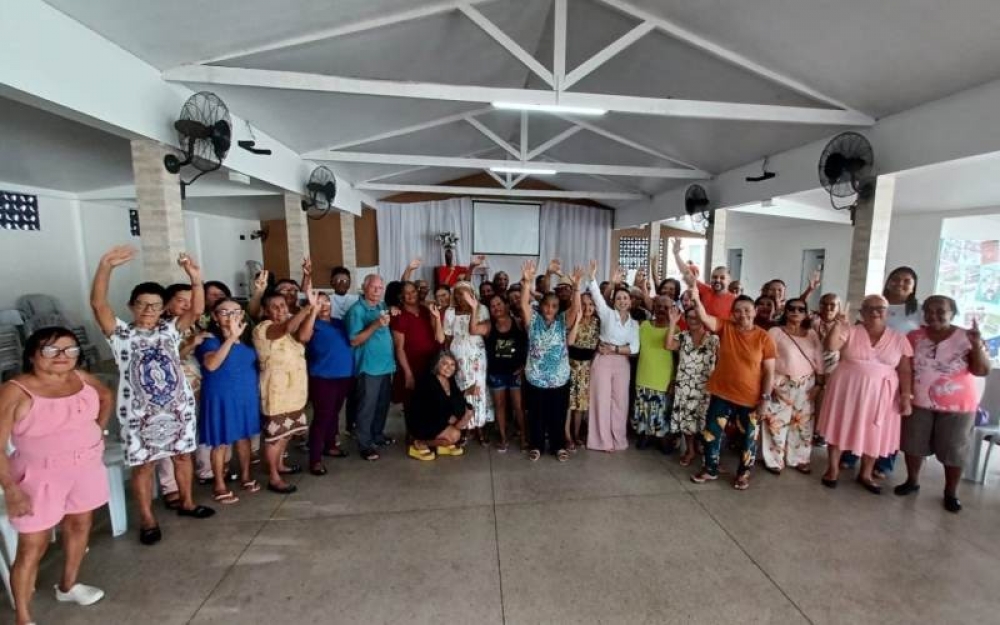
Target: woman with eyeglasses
(786, 437)
(697, 350)
(946, 358)
(53, 415)
(230, 398)
(867, 393)
(156, 407)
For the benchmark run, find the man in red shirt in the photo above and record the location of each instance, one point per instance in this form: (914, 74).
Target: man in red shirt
(715, 296)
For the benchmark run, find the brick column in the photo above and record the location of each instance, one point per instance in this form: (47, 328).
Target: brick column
(715, 244)
(161, 220)
(297, 225)
(870, 242)
(348, 246)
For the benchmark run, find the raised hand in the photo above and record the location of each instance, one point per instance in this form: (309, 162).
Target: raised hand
(555, 266)
(678, 245)
(975, 336)
(593, 270)
(469, 299)
(675, 315)
(695, 294)
(478, 260)
(576, 275)
(307, 267)
(415, 264)
(260, 282)
(435, 312)
(640, 279)
(239, 326)
(312, 296)
(190, 267)
(118, 255)
(815, 279)
(617, 276)
(528, 269)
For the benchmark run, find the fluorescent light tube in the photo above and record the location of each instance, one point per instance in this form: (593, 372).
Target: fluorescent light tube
(549, 108)
(523, 170)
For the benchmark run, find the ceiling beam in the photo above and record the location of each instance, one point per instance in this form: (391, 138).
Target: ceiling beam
(635, 145)
(342, 30)
(508, 44)
(554, 141)
(559, 45)
(492, 136)
(410, 170)
(603, 56)
(505, 183)
(434, 123)
(492, 191)
(697, 109)
(517, 181)
(483, 163)
(679, 32)
(524, 136)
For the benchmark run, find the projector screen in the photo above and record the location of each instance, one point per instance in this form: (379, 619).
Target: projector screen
(505, 228)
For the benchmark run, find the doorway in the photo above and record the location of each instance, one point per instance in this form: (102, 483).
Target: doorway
(812, 260)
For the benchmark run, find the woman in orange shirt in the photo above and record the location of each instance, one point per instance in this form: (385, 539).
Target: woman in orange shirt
(740, 384)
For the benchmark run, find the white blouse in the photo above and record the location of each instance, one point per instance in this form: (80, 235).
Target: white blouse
(613, 330)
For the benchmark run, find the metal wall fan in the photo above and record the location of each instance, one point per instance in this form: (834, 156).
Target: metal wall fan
(696, 204)
(321, 189)
(846, 169)
(205, 133)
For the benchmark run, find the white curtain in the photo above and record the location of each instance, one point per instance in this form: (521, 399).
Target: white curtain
(575, 234)
(407, 231)
(571, 232)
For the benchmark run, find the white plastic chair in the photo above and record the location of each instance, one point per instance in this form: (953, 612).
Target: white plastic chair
(114, 461)
(8, 549)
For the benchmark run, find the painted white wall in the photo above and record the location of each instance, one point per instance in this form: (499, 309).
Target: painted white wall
(222, 254)
(772, 248)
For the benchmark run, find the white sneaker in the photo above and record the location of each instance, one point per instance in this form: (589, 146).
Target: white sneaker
(80, 594)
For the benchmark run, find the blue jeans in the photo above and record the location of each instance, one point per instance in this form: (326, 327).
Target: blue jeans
(884, 464)
(719, 413)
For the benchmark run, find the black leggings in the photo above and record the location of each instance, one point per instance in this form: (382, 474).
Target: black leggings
(547, 415)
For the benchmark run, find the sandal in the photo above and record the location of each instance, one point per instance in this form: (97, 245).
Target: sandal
(804, 469)
(336, 452)
(742, 482)
(172, 501)
(562, 455)
(686, 461)
(318, 469)
(197, 512)
(251, 486)
(772, 470)
(580, 442)
(150, 535)
(502, 447)
(226, 498)
(293, 469)
(534, 455)
(287, 489)
(370, 455)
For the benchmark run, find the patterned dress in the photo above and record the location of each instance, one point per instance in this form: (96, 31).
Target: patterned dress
(156, 407)
(690, 394)
(587, 337)
(283, 384)
(470, 354)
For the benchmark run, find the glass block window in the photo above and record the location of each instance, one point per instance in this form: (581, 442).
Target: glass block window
(18, 211)
(633, 252)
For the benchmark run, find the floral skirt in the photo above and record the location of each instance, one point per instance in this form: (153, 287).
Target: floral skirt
(652, 411)
(579, 385)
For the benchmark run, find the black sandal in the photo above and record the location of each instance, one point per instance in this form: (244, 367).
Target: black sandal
(197, 512)
(150, 535)
(317, 469)
(293, 469)
(287, 489)
(172, 501)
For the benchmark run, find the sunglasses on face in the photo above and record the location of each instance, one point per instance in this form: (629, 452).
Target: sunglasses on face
(51, 351)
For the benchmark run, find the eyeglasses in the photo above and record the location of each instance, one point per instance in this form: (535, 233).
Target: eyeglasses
(878, 309)
(340, 280)
(153, 307)
(800, 309)
(51, 351)
(229, 313)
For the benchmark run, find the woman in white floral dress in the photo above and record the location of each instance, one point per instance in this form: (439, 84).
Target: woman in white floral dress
(697, 349)
(465, 334)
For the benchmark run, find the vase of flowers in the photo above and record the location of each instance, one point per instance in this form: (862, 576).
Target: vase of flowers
(448, 242)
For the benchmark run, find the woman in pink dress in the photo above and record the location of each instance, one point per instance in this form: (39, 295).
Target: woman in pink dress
(945, 360)
(868, 391)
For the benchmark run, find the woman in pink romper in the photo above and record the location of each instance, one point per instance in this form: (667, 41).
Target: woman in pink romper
(54, 417)
(868, 391)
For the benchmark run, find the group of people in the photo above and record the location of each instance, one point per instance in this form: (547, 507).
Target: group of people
(556, 361)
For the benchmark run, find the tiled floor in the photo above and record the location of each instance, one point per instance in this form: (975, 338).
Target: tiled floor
(491, 538)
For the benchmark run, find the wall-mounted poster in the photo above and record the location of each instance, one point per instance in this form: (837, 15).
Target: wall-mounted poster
(969, 273)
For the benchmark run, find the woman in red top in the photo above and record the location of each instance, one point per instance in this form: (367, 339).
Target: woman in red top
(417, 336)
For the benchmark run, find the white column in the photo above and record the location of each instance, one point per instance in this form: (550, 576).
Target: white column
(161, 219)
(297, 225)
(870, 242)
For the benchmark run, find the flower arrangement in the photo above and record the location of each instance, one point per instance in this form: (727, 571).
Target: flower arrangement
(448, 240)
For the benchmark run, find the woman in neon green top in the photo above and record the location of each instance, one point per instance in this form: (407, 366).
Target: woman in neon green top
(651, 418)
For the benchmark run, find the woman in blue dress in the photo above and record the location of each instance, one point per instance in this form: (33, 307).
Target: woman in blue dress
(230, 397)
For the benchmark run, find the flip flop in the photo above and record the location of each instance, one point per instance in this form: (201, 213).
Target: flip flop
(251, 486)
(227, 498)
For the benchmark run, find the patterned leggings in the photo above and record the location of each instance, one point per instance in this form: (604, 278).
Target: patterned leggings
(720, 412)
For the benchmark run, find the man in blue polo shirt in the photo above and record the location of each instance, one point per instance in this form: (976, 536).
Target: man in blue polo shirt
(367, 324)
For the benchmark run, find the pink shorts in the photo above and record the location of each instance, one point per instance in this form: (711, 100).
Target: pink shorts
(68, 483)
